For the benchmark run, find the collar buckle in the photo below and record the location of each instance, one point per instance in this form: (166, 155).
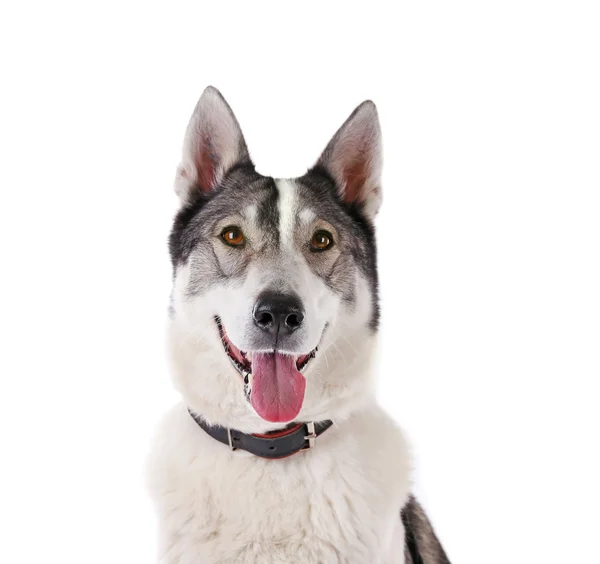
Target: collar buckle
(311, 437)
(230, 439)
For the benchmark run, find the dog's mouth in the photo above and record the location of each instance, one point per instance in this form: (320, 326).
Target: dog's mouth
(273, 381)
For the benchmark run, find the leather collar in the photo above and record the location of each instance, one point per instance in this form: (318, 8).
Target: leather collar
(277, 444)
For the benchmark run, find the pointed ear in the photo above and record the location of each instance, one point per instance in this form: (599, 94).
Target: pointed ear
(353, 158)
(213, 144)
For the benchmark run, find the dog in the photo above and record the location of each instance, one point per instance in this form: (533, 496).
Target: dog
(278, 452)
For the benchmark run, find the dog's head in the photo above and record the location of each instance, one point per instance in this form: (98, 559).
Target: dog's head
(274, 305)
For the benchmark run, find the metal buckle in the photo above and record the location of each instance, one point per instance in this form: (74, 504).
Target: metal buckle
(230, 439)
(311, 437)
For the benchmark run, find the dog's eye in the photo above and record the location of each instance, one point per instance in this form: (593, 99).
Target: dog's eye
(233, 236)
(321, 241)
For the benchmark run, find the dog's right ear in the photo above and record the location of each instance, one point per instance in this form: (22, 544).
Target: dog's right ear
(213, 144)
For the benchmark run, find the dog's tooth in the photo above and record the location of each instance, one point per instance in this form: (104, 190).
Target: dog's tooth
(247, 390)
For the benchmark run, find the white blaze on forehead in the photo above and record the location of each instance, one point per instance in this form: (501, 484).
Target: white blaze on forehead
(287, 209)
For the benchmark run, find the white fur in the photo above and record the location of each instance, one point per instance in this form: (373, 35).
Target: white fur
(251, 212)
(307, 216)
(287, 209)
(337, 503)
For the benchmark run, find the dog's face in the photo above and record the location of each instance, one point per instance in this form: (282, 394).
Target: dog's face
(274, 305)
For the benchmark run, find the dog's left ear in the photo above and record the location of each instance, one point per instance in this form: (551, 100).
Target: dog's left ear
(353, 159)
(213, 144)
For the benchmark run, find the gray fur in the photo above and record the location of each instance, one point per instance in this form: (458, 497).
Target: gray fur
(422, 544)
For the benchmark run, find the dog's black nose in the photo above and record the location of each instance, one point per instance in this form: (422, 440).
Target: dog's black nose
(278, 313)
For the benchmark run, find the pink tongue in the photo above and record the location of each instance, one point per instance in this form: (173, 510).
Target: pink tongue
(277, 387)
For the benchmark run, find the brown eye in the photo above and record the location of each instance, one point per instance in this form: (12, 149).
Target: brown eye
(233, 236)
(321, 240)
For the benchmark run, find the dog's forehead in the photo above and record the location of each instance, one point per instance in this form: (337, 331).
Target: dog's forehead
(294, 209)
(277, 206)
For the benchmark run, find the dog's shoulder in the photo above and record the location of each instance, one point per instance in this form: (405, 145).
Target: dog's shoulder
(177, 447)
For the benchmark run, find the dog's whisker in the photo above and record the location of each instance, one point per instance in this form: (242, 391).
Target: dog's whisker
(183, 340)
(326, 359)
(339, 350)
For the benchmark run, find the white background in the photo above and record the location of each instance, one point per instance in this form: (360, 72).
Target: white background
(489, 249)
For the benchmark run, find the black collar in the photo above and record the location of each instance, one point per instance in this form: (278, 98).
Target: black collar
(277, 444)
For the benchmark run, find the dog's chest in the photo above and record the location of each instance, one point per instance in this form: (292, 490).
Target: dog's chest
(333, 504)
